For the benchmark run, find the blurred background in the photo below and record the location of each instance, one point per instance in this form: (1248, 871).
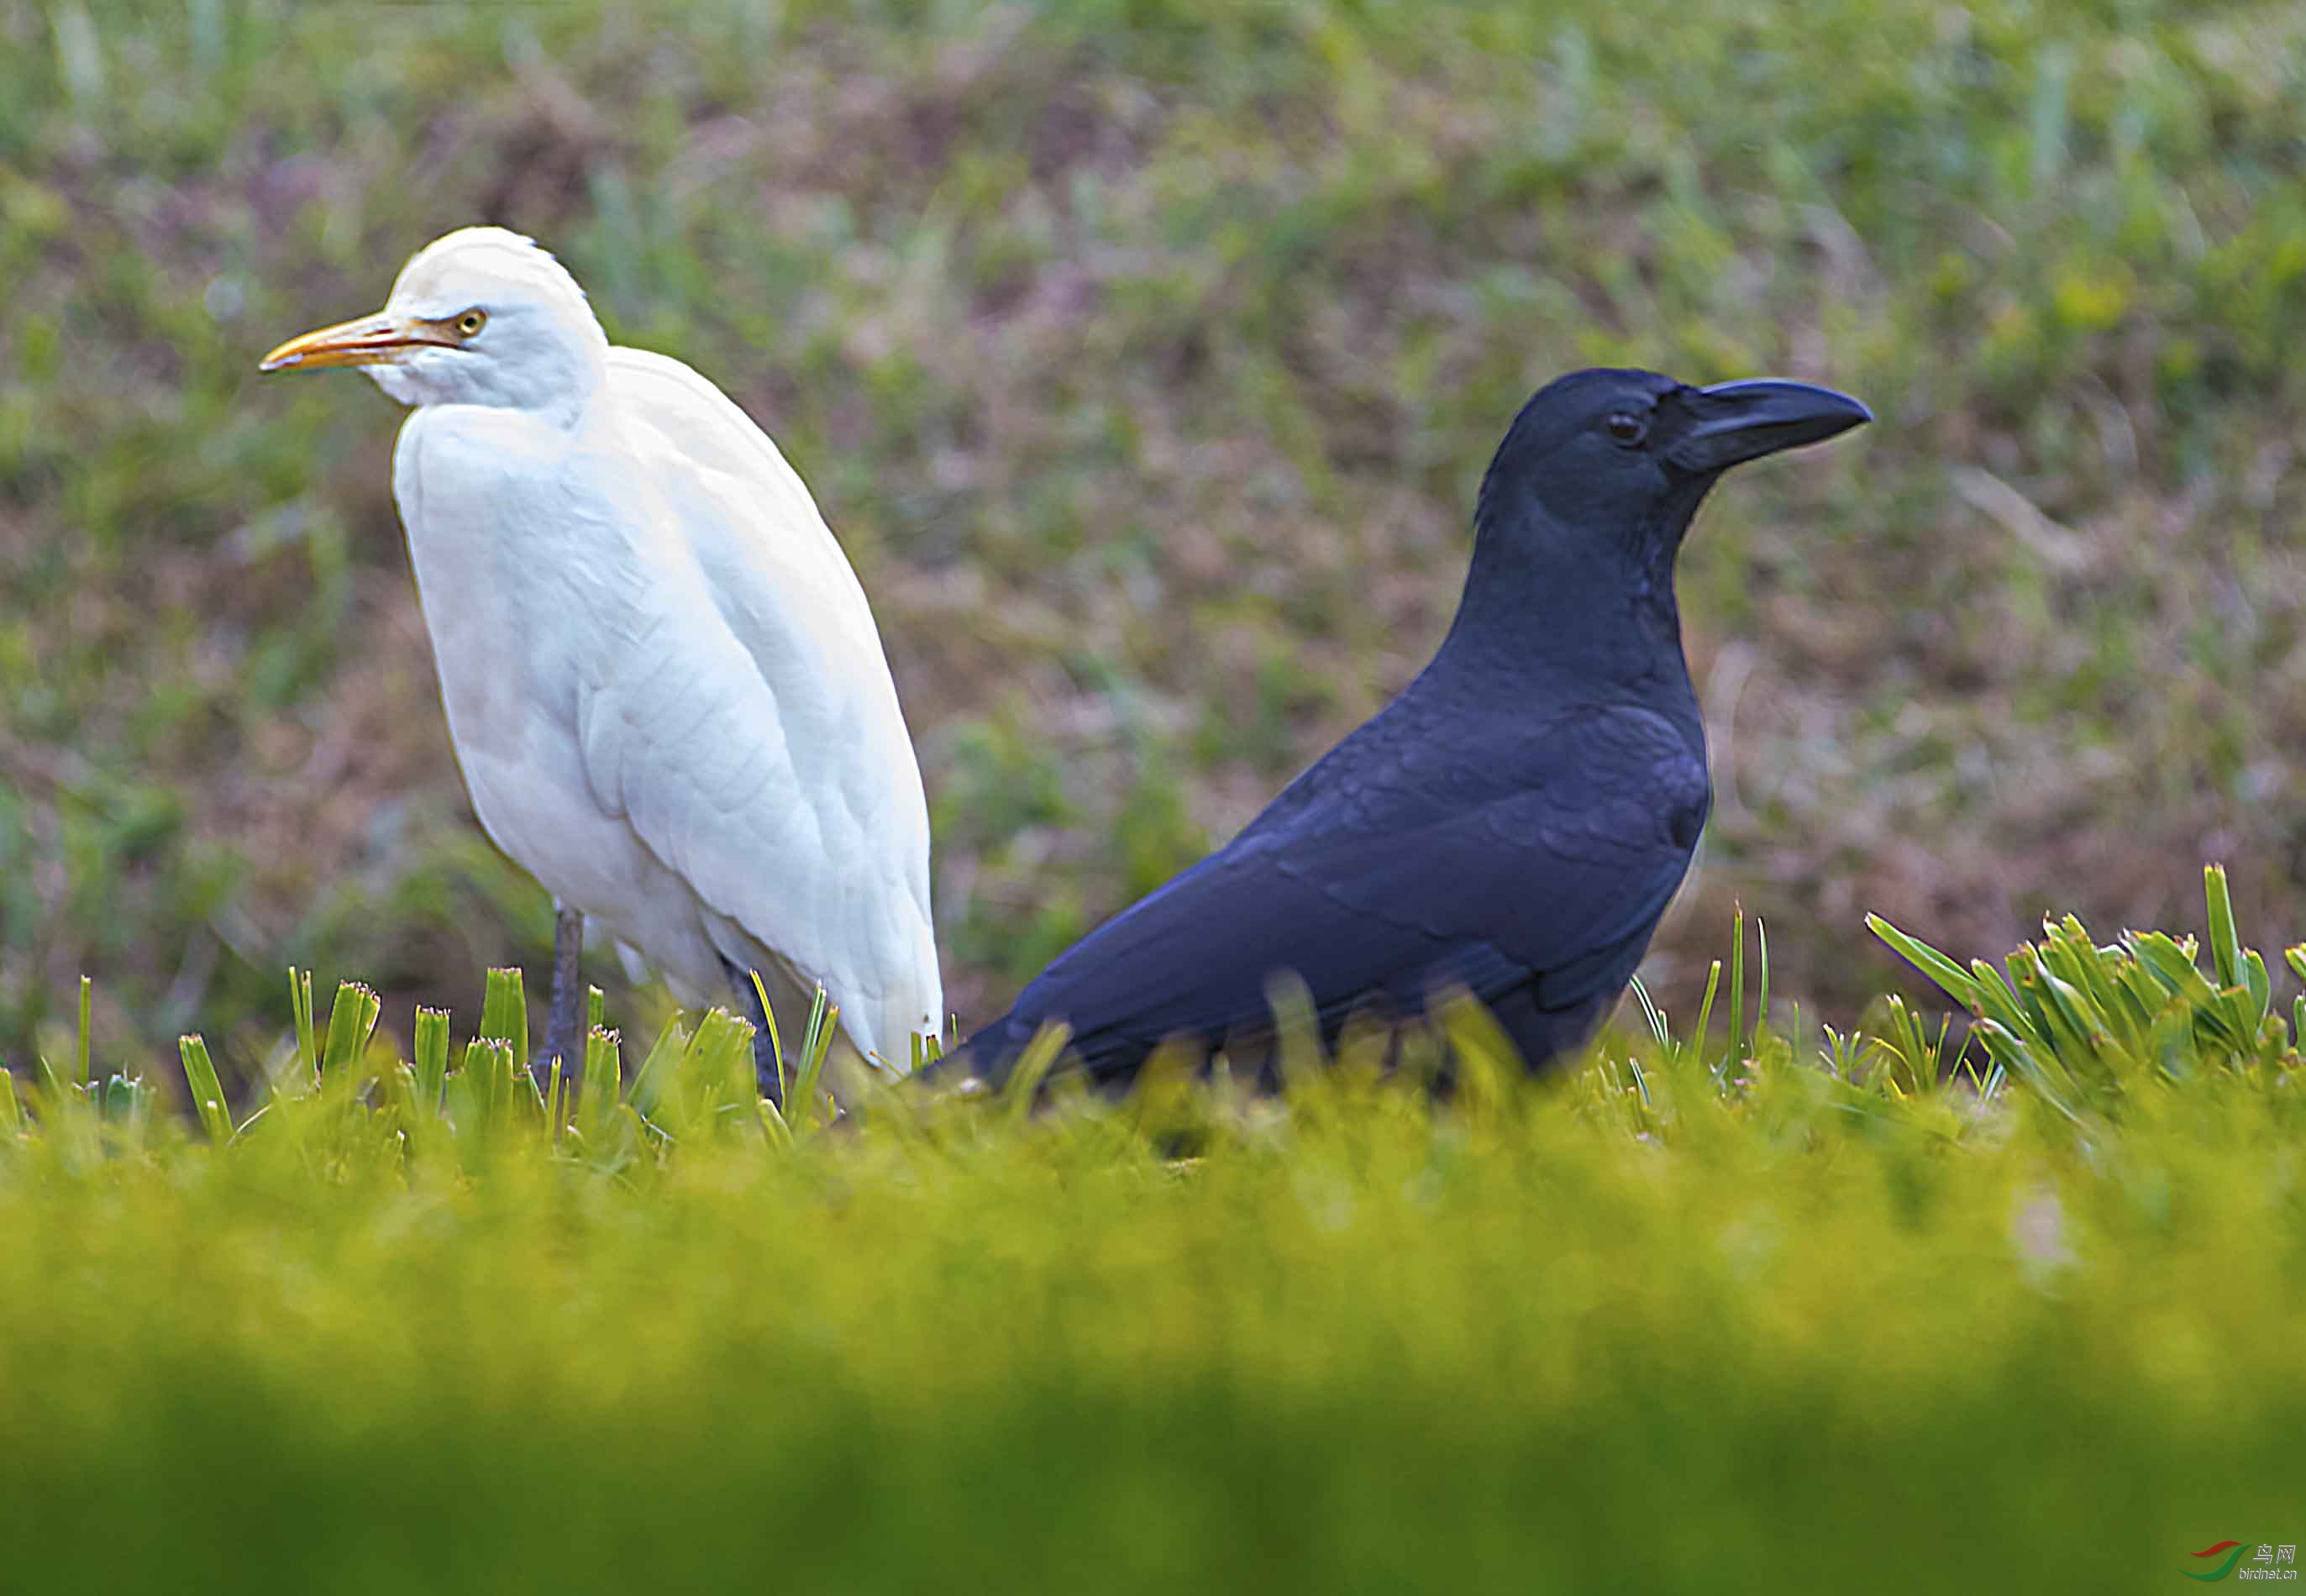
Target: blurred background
(1145, 355)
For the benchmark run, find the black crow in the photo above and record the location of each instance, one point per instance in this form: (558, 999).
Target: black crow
(1515, 822)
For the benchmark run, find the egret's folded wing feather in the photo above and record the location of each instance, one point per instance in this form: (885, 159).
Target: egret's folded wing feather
(759, 745)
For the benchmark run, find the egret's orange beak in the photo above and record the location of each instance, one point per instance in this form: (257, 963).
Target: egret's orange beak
(379, 340)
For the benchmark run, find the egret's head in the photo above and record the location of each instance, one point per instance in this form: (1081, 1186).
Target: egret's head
(480, 317)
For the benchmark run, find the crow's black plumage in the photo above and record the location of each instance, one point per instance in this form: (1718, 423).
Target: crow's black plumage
(1513, 823)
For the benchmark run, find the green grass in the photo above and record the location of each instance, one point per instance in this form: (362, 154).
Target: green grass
(1729, 1310)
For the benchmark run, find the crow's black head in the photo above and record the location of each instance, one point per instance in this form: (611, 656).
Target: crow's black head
(1584, 506)
(1629, 453)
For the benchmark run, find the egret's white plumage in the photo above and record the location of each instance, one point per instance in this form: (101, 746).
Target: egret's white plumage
(663, 683)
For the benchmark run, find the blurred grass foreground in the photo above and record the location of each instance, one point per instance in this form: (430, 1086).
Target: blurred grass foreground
(1718, 1311)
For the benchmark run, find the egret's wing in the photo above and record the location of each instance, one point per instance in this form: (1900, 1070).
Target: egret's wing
(755, 743)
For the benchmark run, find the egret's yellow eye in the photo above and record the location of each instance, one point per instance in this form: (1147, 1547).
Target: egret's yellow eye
(471, 322)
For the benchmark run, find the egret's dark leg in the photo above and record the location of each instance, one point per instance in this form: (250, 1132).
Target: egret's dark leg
(765, 1055)
(564, 1028)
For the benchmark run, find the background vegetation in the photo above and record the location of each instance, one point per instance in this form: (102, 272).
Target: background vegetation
(1145, 356)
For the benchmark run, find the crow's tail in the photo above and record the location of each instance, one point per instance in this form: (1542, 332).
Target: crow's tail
(987, 1057)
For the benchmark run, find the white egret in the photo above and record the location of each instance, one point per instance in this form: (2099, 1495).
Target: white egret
(663, 683)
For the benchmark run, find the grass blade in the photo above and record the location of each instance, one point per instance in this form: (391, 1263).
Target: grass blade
(1956, 981)
(1705, 1006)
(776, 1043)
(504, 1013)
(1488, 1067)
(1762, 997)
(432, 1060)
(81, 1041)
(1656, 1018)
(601, 1087)
(2225, 942)
(815, 1043)
(657, 1070)
(207, 1092)
(480, 1093)
(1033, 1065)
(2254, 979)
(300, 1003)
(351, 1021)
(1296, 1031)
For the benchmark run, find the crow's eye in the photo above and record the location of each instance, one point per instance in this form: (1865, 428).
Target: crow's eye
(1627, 429)
(471, 322)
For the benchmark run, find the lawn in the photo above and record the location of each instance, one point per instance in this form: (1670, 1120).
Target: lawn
(1145, 355)
(1718, 1310)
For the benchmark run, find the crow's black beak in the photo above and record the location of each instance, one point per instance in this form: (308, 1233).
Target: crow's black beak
(1732, 423)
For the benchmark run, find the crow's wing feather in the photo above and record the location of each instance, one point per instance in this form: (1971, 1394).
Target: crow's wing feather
(1545, 859)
